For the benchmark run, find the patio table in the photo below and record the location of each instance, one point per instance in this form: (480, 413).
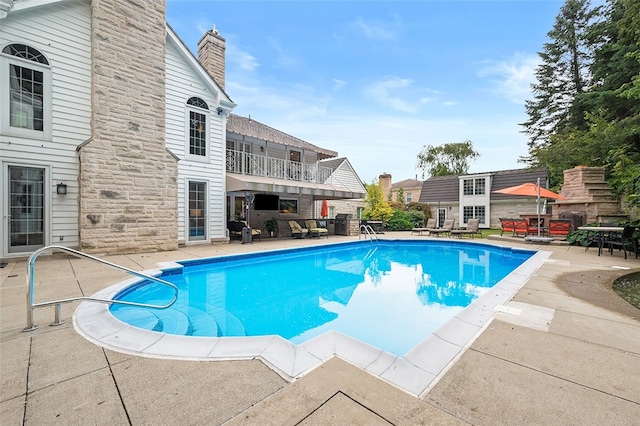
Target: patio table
(599, 234)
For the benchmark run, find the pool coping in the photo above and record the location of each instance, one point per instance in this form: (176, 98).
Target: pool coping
(416, 372)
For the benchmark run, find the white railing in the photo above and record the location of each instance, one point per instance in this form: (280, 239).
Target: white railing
(260, 165)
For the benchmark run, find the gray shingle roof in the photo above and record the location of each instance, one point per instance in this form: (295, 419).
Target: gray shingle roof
(249, 127)
(446, 188)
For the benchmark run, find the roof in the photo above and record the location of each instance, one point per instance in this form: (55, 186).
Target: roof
(407, 183)
(447, 189)
(247, 126)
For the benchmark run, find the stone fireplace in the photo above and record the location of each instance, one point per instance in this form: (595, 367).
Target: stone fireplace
(589, 198)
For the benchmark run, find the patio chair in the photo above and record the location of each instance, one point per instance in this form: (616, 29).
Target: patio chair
(559, 228)
(520, 227)
(447, 226)
(431, 223)
(235, 230)
(471, 229)
(314, 230)
(506, 225)
(624, 240)
(297, 231)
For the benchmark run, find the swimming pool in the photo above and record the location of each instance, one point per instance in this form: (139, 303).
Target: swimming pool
(391, 294)
(414, 371)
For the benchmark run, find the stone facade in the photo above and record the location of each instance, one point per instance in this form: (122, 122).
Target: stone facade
(588, 196)
(128, 179)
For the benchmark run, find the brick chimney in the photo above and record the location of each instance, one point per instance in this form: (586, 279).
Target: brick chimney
(385, 184)
(211, 51)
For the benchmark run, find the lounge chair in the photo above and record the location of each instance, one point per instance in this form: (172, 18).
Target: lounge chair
(471, 229)
(235, 230)
(559, 228)
(314, 230)
(431, 223)
(447, 226)
(297, 231)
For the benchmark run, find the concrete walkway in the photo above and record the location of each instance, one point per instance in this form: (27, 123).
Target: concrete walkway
(564, 350)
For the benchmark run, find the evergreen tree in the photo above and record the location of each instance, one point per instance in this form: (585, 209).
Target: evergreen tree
(563, 74)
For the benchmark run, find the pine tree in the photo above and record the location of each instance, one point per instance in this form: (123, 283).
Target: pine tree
(563, 74)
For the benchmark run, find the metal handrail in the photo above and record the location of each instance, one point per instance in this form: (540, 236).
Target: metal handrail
(30, 278)
(368, 230)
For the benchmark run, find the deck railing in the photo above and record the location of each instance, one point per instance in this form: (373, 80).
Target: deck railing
(261, 165)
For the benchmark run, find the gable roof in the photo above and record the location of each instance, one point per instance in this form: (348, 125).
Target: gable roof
(247, 126)
(447, 188)
(224, 100)
(407, 183)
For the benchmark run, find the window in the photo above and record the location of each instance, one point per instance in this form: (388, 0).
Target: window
(474, 186)
(408, 195)
(471, 212)
(467, 187)
(288, 206)
(198, 115)
(27, 91)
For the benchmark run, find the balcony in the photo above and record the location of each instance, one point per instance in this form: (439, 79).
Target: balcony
(276, 168)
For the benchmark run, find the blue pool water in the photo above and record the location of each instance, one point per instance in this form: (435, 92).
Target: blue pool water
(390, 294)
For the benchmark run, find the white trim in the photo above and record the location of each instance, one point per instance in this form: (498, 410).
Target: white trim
(47, 81)
(47, 217)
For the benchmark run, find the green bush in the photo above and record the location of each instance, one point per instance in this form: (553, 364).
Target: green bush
(405, 221)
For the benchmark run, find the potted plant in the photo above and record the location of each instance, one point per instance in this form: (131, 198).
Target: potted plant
(272, 227)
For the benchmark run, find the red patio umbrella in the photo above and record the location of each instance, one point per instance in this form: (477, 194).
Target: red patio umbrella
(531, 190)
(324, 212)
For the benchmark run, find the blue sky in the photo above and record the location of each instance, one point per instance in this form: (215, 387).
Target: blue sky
(376, 81)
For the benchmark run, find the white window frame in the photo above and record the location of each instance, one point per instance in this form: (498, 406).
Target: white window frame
(187, 121)
(5, 61)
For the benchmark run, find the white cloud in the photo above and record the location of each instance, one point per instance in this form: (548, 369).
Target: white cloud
(373, 31)
(387, 93)
(512, 78)
(338, 84)
(243, 61)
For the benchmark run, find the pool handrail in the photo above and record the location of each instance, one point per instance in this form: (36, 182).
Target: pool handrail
(368, 231)
(31, 305)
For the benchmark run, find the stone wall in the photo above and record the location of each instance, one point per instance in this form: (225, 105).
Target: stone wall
(588, 196)
(128, 180)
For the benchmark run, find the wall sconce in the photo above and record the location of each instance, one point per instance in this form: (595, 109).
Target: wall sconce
(61, 189)
(220, 111)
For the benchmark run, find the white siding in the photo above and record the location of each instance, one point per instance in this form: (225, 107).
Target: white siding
(183, 82)
(62, 33)
(345, 176)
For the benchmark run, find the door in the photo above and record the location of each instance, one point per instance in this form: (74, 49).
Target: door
(197, 211)
(442, 216)
(26, 218)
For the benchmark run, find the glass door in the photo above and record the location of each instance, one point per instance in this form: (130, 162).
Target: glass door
(26, 208)
(197, 211)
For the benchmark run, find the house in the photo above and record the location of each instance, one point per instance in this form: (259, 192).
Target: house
(113, 136)
(271, 174)
(411, 188)
(471, 196)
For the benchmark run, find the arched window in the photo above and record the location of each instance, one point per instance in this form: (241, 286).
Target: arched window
(198, 112)
(28, 90)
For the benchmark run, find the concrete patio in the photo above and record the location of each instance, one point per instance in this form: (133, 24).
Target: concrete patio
(564, 350)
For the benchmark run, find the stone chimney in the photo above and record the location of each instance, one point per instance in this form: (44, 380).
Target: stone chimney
(128, 178)
(385, 184)
(211, 51)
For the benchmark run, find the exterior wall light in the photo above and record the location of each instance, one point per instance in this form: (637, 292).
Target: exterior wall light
(61, 189)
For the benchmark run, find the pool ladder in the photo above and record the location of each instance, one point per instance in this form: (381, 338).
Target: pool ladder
(368, 231)
(31, 305)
